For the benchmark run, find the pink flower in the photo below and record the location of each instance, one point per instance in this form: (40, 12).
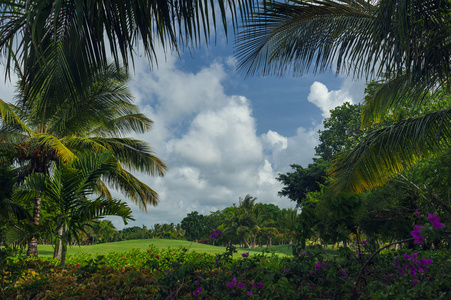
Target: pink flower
(435, 221)
(417, 235)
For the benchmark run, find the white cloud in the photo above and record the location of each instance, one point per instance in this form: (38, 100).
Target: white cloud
(209, 141)
(325, 100)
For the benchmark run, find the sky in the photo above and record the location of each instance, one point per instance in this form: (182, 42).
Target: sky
(223, 135)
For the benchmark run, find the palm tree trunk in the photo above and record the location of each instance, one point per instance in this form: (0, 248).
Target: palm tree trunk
(33, 243)
(63, 255)
(58, 243)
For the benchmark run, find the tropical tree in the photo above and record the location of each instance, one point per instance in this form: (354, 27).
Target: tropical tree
(55, 126)
(194, 226)
(288, 222)
(68, 188)
(404, 43)
(10, 211)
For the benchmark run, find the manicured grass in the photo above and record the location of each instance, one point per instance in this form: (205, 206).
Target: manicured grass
(125, 246)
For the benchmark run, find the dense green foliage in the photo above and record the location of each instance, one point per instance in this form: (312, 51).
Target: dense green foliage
(168, 273)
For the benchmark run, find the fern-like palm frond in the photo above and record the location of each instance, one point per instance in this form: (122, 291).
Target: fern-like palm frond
(385, 152)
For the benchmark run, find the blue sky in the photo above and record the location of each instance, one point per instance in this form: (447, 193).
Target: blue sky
(222, 135)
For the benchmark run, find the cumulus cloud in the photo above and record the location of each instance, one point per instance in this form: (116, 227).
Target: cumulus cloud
(325, 100)
(209, 140)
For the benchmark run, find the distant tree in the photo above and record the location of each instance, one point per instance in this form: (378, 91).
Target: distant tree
(341, 131)
(299, 183)
(194, 225)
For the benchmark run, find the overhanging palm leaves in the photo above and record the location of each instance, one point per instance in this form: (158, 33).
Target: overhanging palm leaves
(389, 150)
(34, 34)
(406, 41)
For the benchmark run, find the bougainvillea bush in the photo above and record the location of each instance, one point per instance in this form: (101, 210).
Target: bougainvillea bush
(179, 274)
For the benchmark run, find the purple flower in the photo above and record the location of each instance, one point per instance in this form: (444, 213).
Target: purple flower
(216, 260)
(435, 221)
(417, 235)
(302, 254)
(414, 256)
(232, 284)
(424, 261)
(415, 282)
(364, 242)
(249, 293)
(318, 265)
(406, 256)
(198, 291)
(241, 285)
(342, 272)
(417, 213)
(260, 284)
(196, 282)
(245, 254)
(323, 264)
(287, 270)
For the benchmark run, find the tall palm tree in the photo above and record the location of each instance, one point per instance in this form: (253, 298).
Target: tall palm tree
(68, 188)
(405, 43)
(32, 32)
(58, 124)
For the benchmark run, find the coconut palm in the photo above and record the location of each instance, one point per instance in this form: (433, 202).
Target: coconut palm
(68, 188)
(35, 32)
(58, 124)
(404, 43)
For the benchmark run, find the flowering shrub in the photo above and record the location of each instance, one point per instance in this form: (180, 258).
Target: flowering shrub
(178, 273)
(189, 275)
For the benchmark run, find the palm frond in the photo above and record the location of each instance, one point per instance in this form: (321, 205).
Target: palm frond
(10, 117)
(132, 188)
(138, 123)
(291, 36)
(94, 26)
(385, 152)
(134, 154)
(390, 37)
(391, 98)
(52, 142)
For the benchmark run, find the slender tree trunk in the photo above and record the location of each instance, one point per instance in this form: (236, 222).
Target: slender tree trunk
(63, 255)
(33, 243)
(58, 244)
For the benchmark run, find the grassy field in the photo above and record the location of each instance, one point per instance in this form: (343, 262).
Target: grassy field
(125, 246)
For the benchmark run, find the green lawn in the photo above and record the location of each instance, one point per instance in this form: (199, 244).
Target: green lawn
(125, 246)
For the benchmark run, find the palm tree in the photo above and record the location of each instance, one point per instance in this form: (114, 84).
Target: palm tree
(67, 189)
(289, 222)
(404, 43)
(55, 126)
(35, 33)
